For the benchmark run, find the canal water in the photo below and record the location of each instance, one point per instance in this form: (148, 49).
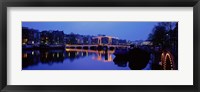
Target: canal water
(72, 59)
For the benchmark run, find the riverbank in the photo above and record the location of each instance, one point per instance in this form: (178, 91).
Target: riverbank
(42, 47)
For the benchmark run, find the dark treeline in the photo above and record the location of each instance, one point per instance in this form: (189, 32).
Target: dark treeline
(165, 35)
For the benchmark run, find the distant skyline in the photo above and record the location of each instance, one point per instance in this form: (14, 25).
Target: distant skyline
(123, 30)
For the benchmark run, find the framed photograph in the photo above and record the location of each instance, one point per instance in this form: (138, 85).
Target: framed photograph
(85, 45)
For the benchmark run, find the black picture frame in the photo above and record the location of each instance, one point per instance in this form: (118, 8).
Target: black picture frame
(98, 3)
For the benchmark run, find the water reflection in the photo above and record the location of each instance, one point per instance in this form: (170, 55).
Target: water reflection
(80, 59)
(30, 58)
(98, 55)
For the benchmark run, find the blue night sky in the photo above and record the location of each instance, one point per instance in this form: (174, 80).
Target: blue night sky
(123, 30)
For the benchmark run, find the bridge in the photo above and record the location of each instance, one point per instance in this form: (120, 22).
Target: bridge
(99, 44)
(96, 46)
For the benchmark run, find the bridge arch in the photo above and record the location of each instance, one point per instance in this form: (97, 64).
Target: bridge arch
(167, 61)
(100, 39)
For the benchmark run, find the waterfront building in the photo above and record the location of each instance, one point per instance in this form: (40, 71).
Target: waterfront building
(149, 43)
(45, 37)
(57, 37)
(30, 36)
(94, 40)
(53, 37)
(115, 41)
(67, 39)
(87, 39)
(79, 39)
(122, 42)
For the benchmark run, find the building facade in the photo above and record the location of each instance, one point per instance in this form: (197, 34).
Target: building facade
(30, 36)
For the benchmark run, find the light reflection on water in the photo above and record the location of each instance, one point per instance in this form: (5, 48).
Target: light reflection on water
(70, 59)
